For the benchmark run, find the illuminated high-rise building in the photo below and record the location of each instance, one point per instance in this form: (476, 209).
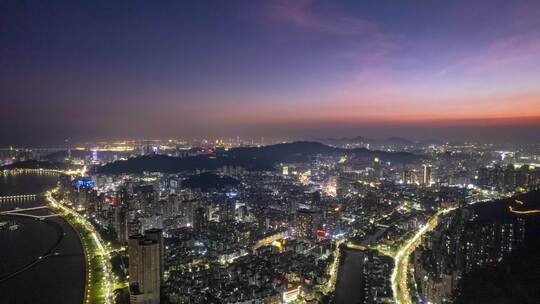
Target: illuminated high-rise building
(307, 223)
(227, 211)
(120, 222)
(187, 209)
(200, 220)
(426, 175)
(133, 252)
(144, 270)
(157, 235)
(94, 155)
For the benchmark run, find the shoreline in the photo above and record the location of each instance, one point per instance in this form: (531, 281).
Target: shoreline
(98, 282)
(65, 243)
(87, 266)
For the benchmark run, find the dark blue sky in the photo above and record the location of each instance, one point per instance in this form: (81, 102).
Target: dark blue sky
(108, 69)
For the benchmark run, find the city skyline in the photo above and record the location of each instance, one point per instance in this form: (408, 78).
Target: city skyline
(269, 151)
(299, 69)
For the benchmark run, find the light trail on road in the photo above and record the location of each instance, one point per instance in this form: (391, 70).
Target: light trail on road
(102, 251)
(401, 260)
(512, 210)
(334, 267)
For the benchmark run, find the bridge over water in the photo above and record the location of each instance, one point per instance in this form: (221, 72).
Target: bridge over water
(21, 197)
(51, 252)
(21, 212)
(12, 202)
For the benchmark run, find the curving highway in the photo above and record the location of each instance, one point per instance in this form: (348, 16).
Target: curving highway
(401, 259)
(101, 250)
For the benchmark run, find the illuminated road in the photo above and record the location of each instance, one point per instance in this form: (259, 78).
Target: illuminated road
(81, 171)
(531, 211)
(333, 271)
(401, 260)
(108, 283)
(512, 210)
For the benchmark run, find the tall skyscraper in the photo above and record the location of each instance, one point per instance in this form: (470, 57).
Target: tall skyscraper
(157, 235)
(121, 224)
(144, 270)
(134, 259)
(200, 220)
(94, 155)
(307, 222)
(188, 208)
(227, 211)
(148, 197)
(426, 175)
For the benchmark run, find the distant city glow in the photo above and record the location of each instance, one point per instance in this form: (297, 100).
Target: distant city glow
(300, 69)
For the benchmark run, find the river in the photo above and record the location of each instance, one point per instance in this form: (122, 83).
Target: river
(59, 275)
(349, 286)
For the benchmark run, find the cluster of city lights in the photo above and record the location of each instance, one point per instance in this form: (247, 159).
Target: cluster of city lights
(102, 251)
(333, 269)
(401, 259)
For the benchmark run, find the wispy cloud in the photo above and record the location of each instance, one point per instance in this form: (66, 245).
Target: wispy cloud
(373, 50)
(307, 14)
(355, 38)
(505, 53)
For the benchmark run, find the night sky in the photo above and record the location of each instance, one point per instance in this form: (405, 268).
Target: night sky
(89, 70)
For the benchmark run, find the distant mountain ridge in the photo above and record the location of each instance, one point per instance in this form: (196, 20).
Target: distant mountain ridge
(36, 164)
(251, 158)
(391, 141)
